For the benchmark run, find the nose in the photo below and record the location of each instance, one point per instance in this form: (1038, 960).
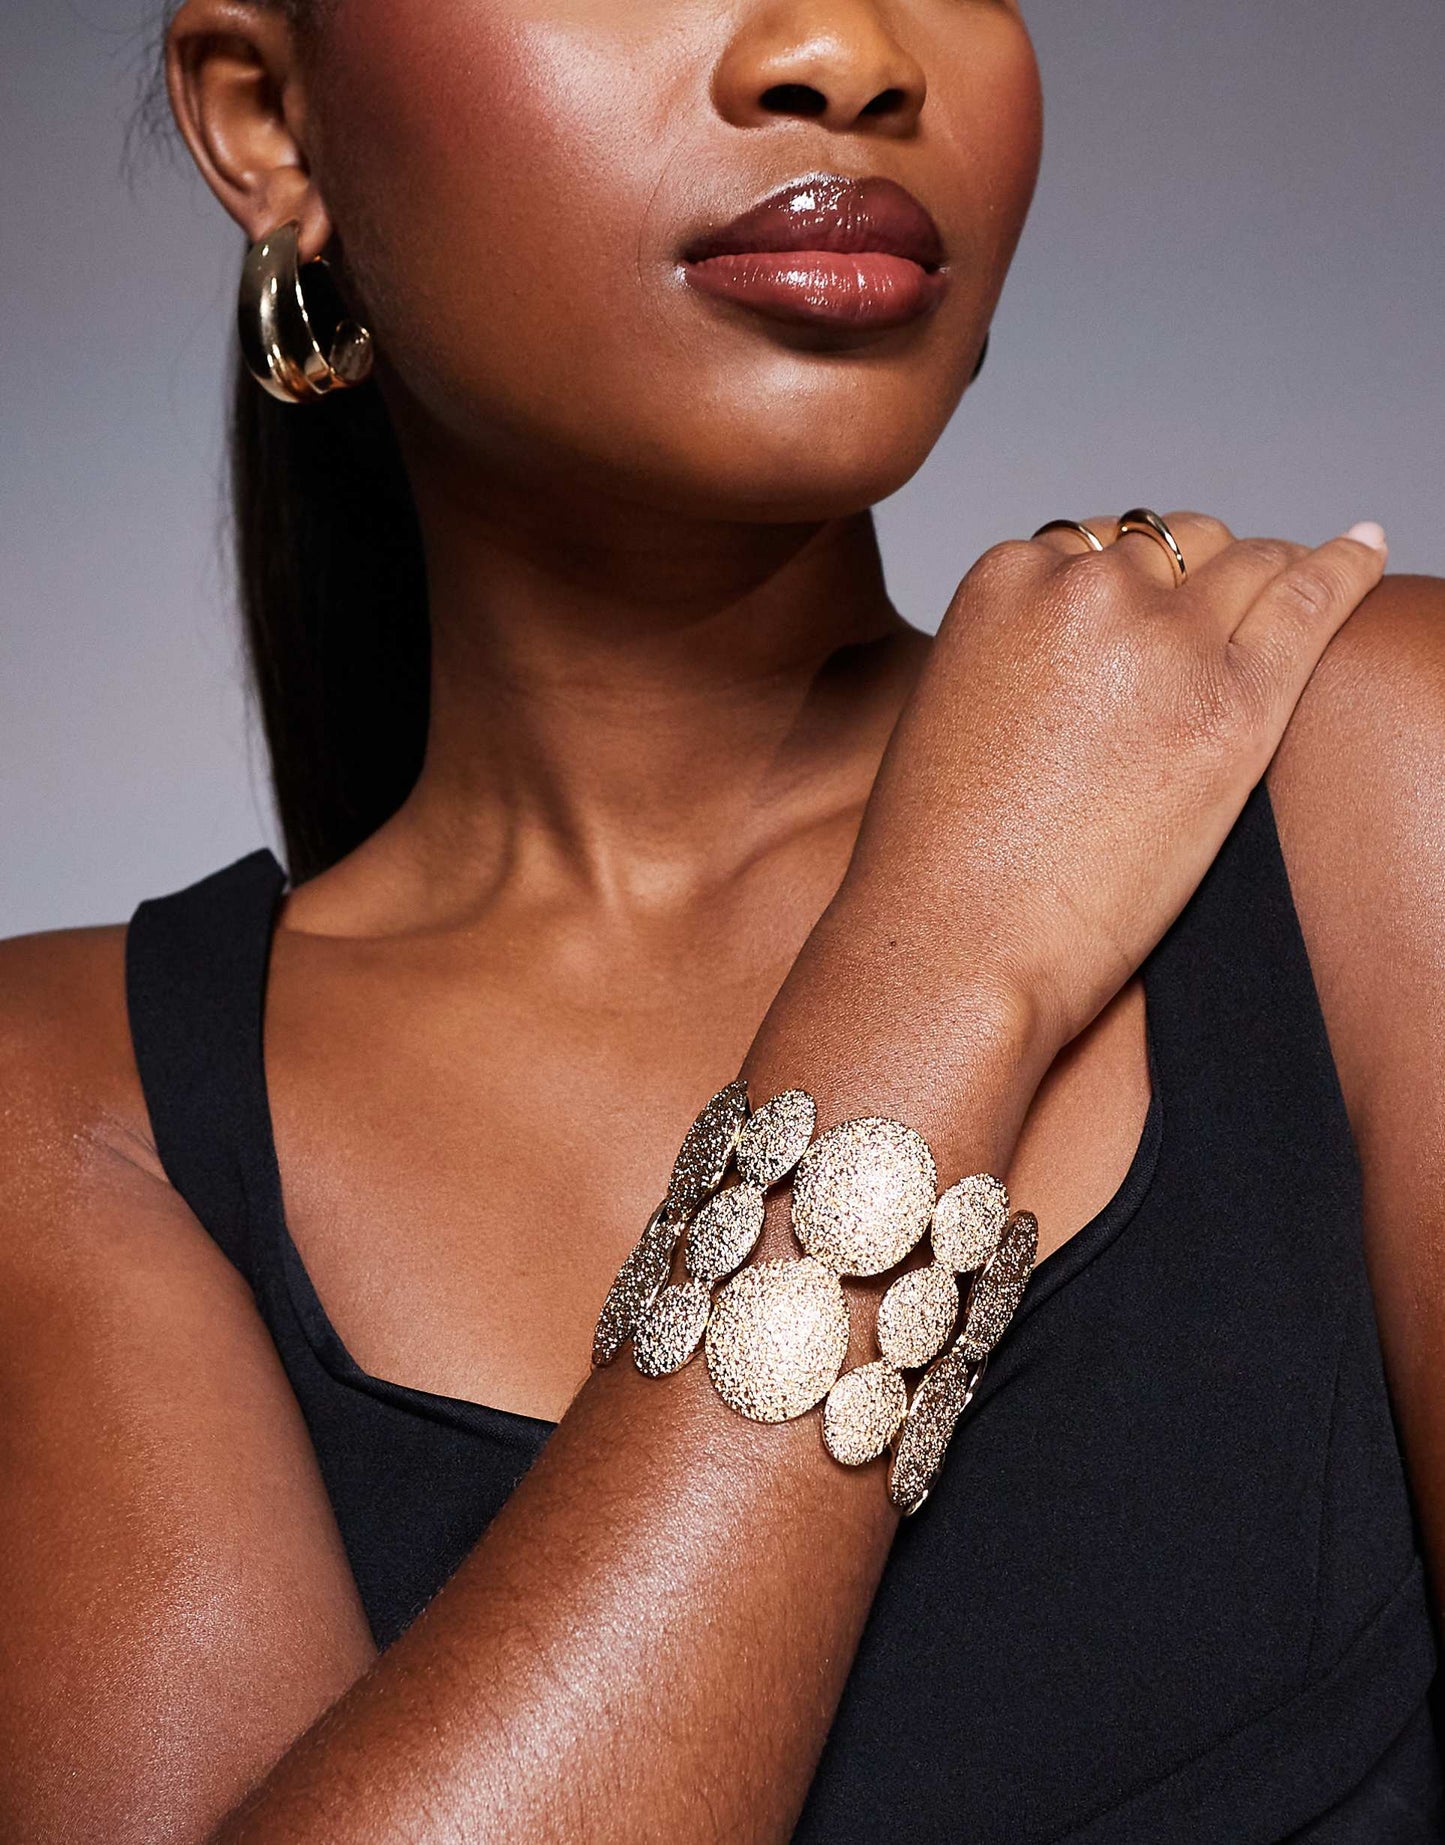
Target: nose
(839, 63)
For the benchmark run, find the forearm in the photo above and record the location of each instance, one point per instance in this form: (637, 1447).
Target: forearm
(651, 1640)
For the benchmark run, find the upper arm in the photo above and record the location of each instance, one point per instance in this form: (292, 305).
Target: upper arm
(1359, 792)
(175, 1602)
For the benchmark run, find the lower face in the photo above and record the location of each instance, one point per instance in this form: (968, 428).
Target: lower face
(532, 200)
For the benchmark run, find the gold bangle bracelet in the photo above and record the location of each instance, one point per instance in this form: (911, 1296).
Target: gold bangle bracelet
(775, 1334)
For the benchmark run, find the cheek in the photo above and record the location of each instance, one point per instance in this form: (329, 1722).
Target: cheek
(490, 173)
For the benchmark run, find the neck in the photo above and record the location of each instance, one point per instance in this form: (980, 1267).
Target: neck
(635, 703)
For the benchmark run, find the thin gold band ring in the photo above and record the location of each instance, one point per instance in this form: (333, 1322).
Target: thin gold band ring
(1150, 525)
(1092, 539)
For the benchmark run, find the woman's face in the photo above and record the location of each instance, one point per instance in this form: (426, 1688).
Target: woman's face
(528, 196)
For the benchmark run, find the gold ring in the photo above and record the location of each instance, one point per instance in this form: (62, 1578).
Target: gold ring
(1150, 525)
(1092, 539)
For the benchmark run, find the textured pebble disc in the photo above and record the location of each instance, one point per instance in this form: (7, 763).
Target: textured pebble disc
(998, 1287)
(671, 1330)
(776, 1137)
(938, 1402)
(968, 1221)
(862, 1413)
(863, 1194)
(777, 1339)
(917, 1314)
(706, 1149)
(723, 1233)
(639, 1280)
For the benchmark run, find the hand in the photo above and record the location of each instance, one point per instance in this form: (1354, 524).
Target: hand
(1077, 747)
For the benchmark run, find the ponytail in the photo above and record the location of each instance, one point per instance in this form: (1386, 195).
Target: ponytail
(332, 589)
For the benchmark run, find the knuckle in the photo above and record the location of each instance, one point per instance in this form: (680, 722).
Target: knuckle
(1004, 565)
(1275, 554)
(1313, 592)
(1205, 527)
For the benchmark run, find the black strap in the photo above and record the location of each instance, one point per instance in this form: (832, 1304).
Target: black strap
(195, 969)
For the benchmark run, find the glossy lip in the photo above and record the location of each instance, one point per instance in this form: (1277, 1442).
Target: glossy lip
(826, 250)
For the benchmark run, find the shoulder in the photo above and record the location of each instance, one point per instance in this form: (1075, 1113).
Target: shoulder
(85, 1205)
(1358, 789)
(1366, 746)
(1383, 674)
(65, 1057)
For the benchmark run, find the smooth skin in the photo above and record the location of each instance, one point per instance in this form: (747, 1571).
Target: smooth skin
(695, 799)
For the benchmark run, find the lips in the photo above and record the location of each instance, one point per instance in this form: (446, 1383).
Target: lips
(828, 251)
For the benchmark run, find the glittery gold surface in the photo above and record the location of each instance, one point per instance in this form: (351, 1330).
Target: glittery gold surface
(706, 1148)
(724, 1231)
(671, 1329)
(776, 1137)
(862, 1195)
(638, 1280)
(777, 1338)
(968, 1221)
(862, 1413)
(940, 1399)
(916, 1315)
(998, 1287)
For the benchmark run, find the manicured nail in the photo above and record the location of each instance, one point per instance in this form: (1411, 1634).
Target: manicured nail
(1368, 533)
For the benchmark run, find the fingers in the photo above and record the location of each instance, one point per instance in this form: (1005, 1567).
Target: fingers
(1223, 589)
(1199, 536)
(1296, 614)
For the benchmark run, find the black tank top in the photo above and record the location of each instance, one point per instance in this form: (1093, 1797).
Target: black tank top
(1167, 1589)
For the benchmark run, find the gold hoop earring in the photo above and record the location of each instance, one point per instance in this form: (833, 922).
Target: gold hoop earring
(296, 337)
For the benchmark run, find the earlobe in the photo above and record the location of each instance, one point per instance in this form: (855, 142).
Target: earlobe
(236, 92)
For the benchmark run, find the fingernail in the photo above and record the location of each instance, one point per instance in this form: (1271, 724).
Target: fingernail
(1368, 533)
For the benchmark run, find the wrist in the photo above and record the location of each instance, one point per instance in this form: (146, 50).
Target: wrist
(886, 1023)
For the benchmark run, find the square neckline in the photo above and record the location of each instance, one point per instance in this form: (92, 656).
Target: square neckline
(516, 1428)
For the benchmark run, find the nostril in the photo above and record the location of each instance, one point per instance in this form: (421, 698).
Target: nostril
(794, 99)
(886, 102)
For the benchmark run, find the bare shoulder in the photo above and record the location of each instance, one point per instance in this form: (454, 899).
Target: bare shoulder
(66, 1067)
(1358, 789)
(85, 1205)
(1361, 765)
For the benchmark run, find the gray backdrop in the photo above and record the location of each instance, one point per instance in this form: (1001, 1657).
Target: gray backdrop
(1231, 296)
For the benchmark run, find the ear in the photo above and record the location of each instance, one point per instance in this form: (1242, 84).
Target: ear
(236, 86)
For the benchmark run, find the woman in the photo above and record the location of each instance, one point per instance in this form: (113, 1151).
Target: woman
(661, 301)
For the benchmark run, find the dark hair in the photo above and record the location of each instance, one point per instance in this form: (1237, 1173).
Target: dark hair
(330, 577)
(332, 587)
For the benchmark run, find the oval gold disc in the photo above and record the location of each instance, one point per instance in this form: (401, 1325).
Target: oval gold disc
(940, 1399)
(968, 1221)
(862, 1195)
(706, 1149)
(777, 1338)
(862, 1413)
(671, 1330)
(998, 1287)
(776, 1137)
(645, 1271)
(916, 1315)
(723, 1233)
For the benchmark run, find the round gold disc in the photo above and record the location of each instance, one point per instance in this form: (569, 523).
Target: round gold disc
(862, 1195)
(776, 1137)
(862, 1413)
(917, 1314)
(968, 1221)
(706, 1149)
(777, 1338)
(645, 1271)
(724, 1231)
(671, 1330)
